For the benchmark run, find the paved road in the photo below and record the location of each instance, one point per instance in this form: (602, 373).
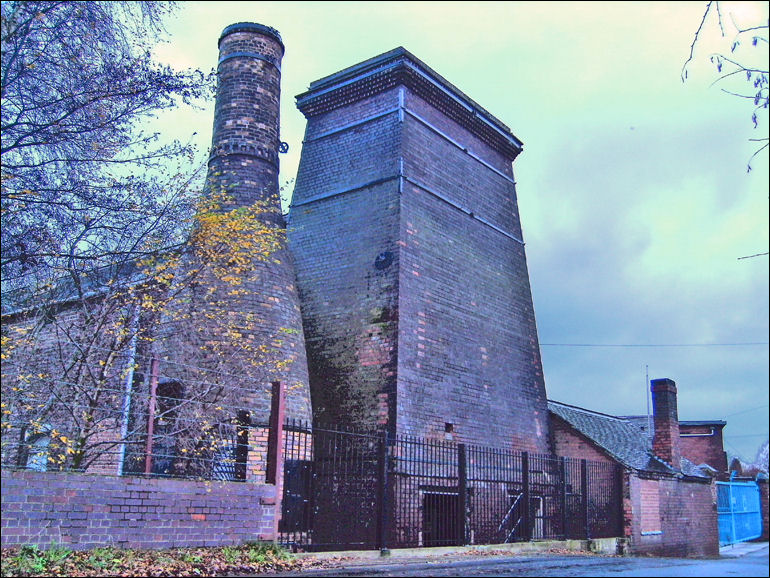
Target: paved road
(751, 564)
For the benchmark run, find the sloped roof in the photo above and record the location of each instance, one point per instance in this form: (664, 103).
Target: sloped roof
(92, 284)
(621, 438)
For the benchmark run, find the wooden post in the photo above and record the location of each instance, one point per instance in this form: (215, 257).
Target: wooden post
(275, 436)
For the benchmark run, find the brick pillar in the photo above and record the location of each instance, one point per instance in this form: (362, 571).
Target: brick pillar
(665, 441)
(256, 464)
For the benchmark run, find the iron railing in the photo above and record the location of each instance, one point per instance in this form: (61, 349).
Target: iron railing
(374, 490)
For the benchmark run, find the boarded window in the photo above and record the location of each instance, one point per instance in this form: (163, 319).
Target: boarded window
(651, 523)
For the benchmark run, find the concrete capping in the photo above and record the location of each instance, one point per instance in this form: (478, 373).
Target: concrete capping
(597, 545)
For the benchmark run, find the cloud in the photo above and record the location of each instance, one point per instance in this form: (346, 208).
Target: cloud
(632, 186)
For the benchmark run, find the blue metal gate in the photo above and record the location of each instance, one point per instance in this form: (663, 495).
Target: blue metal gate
(739, 511)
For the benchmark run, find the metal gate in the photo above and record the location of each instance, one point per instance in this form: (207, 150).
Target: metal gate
(332, 489)
(739, 511)
(371, 490)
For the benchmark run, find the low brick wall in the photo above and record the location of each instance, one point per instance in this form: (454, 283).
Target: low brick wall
(686, 517)
(83, 511)
(763, 500)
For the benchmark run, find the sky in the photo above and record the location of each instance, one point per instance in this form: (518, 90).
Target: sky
(633, 189)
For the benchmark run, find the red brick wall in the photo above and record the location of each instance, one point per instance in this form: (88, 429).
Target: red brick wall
(706, 448)
(570, 444)
(763, 500)
(688, 517)
(84, 511)
(688, 525)
(665, 441)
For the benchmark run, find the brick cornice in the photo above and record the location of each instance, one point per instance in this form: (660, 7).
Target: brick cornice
(400, 68)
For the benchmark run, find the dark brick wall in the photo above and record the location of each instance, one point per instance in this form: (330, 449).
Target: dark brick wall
(468, 348)
(349, 299)
(244, 154)
(415, 311)
(82, 511)
(703, 444)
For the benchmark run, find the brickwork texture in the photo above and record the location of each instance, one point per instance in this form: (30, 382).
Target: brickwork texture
(703, 444)
(662, 516)
(82, 511)
(244, 165)
(411, 271)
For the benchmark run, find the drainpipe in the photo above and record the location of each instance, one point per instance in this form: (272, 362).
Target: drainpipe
(128, 392)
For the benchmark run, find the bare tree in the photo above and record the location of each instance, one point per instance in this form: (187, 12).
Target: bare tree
(83, 185)
(110, 258)
(743, 72)
(165, 342)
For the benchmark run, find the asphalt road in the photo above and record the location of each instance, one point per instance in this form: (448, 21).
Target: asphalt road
(751, 564)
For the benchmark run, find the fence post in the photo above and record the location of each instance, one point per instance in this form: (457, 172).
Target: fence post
(563, 495)
(620, 485)
(274, 470)
(584, 492)
(382, 492)
(151, 415)
(275, 435)
(525, 495)
(462, 491)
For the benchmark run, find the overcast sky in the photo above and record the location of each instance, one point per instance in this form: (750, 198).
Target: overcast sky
(633, 190)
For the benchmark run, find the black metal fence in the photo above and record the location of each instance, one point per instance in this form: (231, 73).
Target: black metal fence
(371, 490)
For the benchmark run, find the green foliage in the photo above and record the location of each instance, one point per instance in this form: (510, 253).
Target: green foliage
(230, 554)
(104, 558)
(34, 561)
(249, 558)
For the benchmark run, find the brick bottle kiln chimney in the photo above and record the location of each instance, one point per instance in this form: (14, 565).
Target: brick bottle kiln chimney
(244, 164)
(665, 441)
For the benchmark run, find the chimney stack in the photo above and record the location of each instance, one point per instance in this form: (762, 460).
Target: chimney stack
(243, 164)
(665, 441)
(244, 149)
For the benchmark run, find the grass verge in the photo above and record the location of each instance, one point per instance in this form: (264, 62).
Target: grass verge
(229, 560)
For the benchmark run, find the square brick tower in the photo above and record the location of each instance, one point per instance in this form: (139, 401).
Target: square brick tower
(410, 262)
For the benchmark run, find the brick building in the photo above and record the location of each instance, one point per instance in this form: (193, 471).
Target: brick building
(701, 441)
(410, 263)
(167, 390)
(669, 503)
(412, 310)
